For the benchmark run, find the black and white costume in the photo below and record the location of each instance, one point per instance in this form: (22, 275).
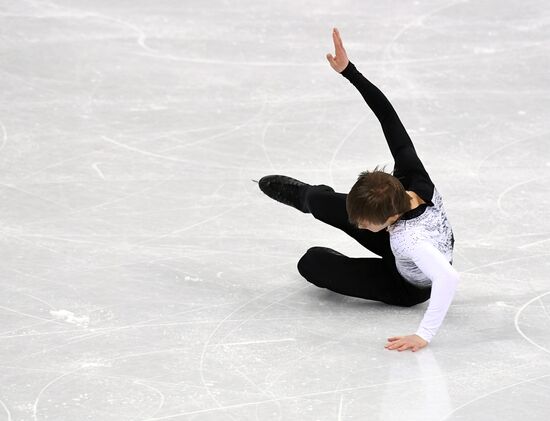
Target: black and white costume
(422, 240)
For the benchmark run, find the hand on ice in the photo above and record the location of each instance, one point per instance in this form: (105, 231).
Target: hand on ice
(402, 343)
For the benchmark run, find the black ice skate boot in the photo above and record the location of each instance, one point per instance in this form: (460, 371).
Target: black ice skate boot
(286, 190)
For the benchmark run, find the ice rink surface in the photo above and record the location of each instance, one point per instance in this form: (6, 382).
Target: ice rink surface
(144, 276)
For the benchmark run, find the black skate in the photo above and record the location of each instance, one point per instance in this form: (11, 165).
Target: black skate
(286, 190)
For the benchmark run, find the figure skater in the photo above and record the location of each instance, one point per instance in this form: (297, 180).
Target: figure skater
(398, 217)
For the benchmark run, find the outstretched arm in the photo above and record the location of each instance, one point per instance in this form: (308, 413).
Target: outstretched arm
(444, 283)
(399, 142)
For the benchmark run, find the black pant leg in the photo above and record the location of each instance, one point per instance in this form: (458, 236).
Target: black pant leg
(371, 278)
(330, 207)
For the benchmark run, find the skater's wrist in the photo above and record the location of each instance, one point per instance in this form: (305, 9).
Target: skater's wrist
(348, 70)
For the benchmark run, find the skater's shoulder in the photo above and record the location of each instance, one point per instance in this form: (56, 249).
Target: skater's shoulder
(437, 199)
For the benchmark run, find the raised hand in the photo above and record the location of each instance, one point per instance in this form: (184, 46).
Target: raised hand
(340, 61)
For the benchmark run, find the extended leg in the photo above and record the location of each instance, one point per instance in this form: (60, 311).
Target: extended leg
(330, 207)
(325, 205)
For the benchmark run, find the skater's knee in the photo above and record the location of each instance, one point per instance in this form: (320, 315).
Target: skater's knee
(308, 265)
(306, 262)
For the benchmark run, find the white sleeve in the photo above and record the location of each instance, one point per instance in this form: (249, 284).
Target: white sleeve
(444, 282)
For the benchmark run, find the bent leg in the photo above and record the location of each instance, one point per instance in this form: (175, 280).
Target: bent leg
(370, 278)
(330, 207)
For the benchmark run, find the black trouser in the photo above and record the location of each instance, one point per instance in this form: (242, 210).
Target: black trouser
(373, 278)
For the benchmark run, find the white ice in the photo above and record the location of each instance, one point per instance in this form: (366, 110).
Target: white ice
(144, 276)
